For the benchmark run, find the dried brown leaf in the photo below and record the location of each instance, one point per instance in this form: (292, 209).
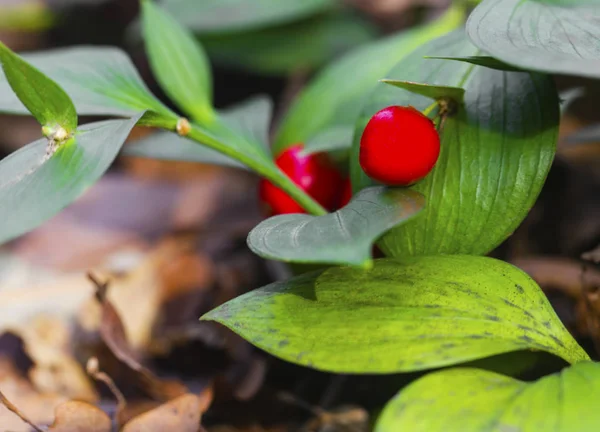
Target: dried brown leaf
(76, 416)
(182, 414)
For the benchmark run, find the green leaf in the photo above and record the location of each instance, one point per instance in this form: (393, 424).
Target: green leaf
(430, 91)
(334, 99)
(487, 61)
(42, 97)
(331, 139)
(251, 118)
(99, 80)
(237, 15)
(495, 152)
(402, 315)
(178, 62)
(343, 237)
(473, 400)
(35, 186)
(291, 48)
(541, 35)
(170, 146)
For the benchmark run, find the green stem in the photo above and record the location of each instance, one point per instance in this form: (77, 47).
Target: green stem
(430, 108)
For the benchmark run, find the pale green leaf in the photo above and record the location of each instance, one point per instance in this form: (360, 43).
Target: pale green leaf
(402, 315)
(36, 185)
(336, 96)
(235, 15)
(456, 94)
(474, 400)
(42, 97)
(178, 62)
(343, 237)
(487, 61)
(541, 35)
(99, 80)
(495, 151)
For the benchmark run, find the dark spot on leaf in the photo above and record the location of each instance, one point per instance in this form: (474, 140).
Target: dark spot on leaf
(476, 336)
(448, 345)
(492, 317)
(526, 339)
(283, 343)
(558, 341)
(520, 288)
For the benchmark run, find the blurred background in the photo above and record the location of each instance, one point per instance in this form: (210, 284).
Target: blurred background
(170, 236)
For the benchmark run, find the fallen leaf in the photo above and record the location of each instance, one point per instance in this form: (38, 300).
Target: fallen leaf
(76, 416)
(182, 414)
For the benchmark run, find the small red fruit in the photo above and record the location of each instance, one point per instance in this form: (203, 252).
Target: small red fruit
(314, 173)
(346, 195)
(399, 146)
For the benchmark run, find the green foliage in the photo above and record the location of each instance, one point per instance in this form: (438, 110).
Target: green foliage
(487, 61)
(402, 315)
(495, 152)
(456, 94)
(99, 81)
(331, 139)
(540, 35)
(37, 181)
(336, 96)
(473, 400)
(343, 237)
(48, 103)
(178, 62)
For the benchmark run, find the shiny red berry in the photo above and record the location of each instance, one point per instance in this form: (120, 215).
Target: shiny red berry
(314, 173)
(399, 146)
(346, 195)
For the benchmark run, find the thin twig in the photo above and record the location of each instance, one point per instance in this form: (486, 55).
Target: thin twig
(93, 369)
(9, 405)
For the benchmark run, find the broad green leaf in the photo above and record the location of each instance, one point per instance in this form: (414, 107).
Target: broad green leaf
(343, 237)
(249, 121)
(402, 315)
(474, 400)
(170, 146)
(541, 35)
(495, 152)
(487, 61)
(295, 47)
(585, 135)
(336, 96)
(42, 97)
(332, 139)
(99, 80)
(430, 91)
(35, 185)
(236, 15)
(178, 62)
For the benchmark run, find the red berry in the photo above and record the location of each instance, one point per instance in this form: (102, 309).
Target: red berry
(314, 173)
(346, 195)
(399, 146)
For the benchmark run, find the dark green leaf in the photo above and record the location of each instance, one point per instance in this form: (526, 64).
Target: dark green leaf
(487, 61)
(178, 62)
(336, 96)
(430, 91)
(236, 15)
(170, 146)
(473, 400)
(343, 237)
(291, 48)
(402, 315)
(541, 35)
(99, 80)
(48, 103)
(495, 152)
(332, 139)
(36, 185)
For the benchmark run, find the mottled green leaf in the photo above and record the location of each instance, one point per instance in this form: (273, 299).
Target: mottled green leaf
(474, 400)
(178, 62)
(99, 80)
(35, 185)
(291, 48)
(495, 151)
(541, 35)
(42, 97)
(336, 96)
(430, 91)
(235, 15)
(343, 237)
(402, 315)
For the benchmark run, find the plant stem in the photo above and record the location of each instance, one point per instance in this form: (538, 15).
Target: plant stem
(267, 170)
(430, 108)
